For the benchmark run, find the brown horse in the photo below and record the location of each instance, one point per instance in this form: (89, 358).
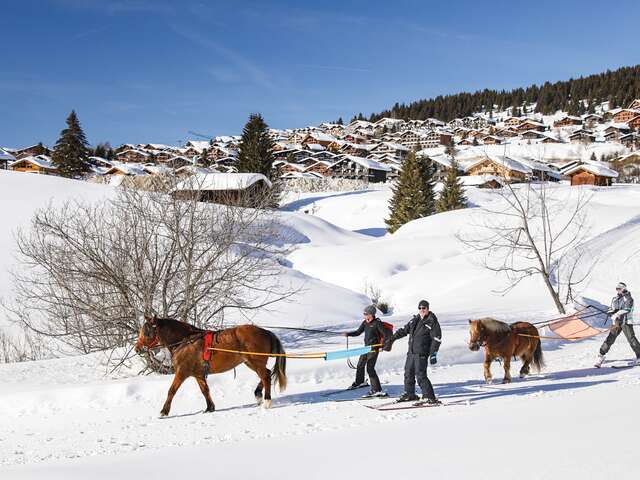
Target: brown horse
(186, 344)
(501, 340)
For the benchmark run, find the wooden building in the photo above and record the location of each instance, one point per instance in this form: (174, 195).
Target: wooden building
(40, 165)
(591, 174)
(358, 168)
(5, 159)
(624, 115)
(509, 169)
(567, 121)
(32, 151)
(225, 188)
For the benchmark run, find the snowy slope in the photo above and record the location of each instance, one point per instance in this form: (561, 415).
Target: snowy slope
(72, 418)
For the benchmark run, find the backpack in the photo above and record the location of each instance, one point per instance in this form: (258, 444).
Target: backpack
(388, 329)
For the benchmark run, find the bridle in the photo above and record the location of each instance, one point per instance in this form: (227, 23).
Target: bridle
(481, 340)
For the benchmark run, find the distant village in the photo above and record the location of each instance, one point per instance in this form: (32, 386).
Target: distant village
(486, 149)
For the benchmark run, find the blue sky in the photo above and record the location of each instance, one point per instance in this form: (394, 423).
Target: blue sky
(151, 70)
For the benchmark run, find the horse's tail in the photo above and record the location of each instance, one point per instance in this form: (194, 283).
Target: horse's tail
(279, 372)
(538, 360)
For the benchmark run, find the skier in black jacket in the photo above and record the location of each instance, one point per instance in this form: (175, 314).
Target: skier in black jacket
(373, 332)
(425, 337)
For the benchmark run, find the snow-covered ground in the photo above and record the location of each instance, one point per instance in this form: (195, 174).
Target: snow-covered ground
(70, 418)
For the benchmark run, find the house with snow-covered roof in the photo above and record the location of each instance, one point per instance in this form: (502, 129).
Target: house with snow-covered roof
(224, 188)
(624, 115)
(40, 164)
(509, 169)
(591, 173)
(32, 151)
(567, 121)
(359, 168)
(5, 159)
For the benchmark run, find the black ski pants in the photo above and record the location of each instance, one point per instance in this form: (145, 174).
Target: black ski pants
(415, 368)
(369, 361)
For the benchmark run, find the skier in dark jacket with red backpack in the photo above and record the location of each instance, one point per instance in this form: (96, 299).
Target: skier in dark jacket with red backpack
(375, 333)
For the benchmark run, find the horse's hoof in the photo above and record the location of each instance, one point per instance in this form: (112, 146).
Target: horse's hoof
(259, 400)
(163, 414)
(488, 381)
(266, 404)
(210, 409)
(506, 380)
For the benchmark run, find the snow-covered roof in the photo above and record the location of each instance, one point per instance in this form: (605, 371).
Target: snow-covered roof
(193, 169)
(198, 145)
(126, 169)
(322, 137)
(40, 161)
(4, 155)
(139, 152)
(506, 162)
(594, 168)
(221, 181)
(476, 180)
(367, 163)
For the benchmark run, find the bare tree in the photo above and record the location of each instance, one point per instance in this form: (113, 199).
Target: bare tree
(90, 271)
(532, 230)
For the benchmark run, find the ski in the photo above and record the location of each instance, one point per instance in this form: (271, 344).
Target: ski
(622, 366)
(345, 390)
(389, 407)
(355, 399)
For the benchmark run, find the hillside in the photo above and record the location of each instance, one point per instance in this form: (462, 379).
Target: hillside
(70, 417)
(618, 87)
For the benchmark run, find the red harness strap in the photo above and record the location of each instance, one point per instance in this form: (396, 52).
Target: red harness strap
(208, 341)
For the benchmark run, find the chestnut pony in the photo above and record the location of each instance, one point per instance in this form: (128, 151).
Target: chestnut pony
(501, 340)
(186, 344)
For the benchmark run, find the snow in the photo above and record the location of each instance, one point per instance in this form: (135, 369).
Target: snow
(593, 168)
(71, 418)
(366, 163)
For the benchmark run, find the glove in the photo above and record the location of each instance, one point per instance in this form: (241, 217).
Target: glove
(387, 345)
(345, 334)
(433, 359)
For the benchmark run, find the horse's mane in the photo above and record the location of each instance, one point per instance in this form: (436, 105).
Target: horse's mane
(183, 327)
(494, 326)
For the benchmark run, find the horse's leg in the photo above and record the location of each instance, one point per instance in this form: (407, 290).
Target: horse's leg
(526, 361)
(258, 392)
(487, 367)
(507, 369)
(204, 388)
(177, 381)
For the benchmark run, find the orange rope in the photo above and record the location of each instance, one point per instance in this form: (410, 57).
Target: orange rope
(303, 355)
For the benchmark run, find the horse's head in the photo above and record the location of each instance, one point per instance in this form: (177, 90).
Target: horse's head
(476, 335)
(148, 336)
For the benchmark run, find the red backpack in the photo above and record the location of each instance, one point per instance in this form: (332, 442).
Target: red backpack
(388, 329)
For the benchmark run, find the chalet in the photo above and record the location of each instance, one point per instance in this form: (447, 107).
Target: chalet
(590, 120)
(133, 156)
(197, 145)
(539, 170)
(633, 157)
(412, 139)
(613, 132)
(178, 161)
(582, 136)
(286, 167)
(442, 163)
(189, 170)
(509, 169)
(635, 105)
(292, 155)
(32, 151)
(335, 129)
(5, 159)
(321, 167)
(436, 138)
(386, 124)
(567, 121)
(126, 169)
(591, 174)
(624, 115)
(492, 140)
(225, 188)
(394, 149)
(40, 164)
(630, 140)
(634, 123)
(482, 181)
(506, 133)
(318, 138)
(512, 122)
(325, 155)
(530, 125)
(547, 138)
(358, 168)
(532, 135)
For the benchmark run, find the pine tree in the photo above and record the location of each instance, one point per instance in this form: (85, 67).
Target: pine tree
(452, 196)
(413, 195)
(71, 150)
(255, 152)
(340, 122)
